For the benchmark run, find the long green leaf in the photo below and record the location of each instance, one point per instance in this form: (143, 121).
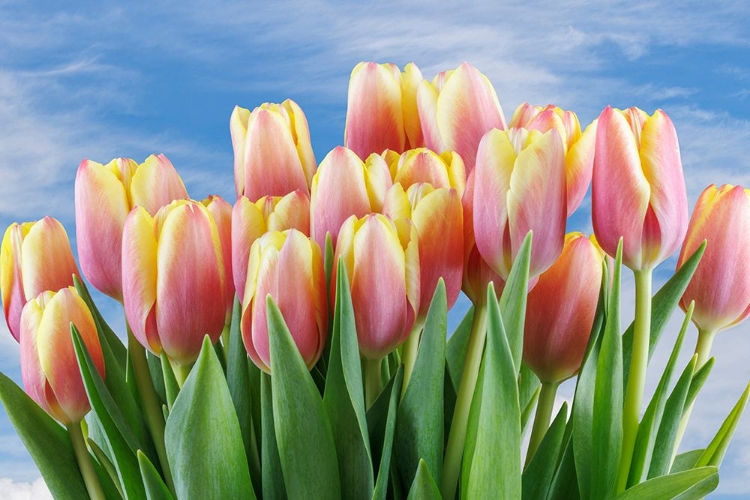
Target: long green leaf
(537, 478)
(455, 349)
(513, 301)
(381, 422)
(424, 487)
(529, 388)
(272, 477)
(106, 471)
(715, 451)
(565, 482)
(152, 481)
(700, 377)
(692, 484)
(686, 461)
(106, 335)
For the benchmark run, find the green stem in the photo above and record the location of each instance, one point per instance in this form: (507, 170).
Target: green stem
(542, 418)
(373, 381)
(84, 462)
(637, 376)
(225, 339)
(457, 436)
(409, 352)
(181, 372)
(151, 404)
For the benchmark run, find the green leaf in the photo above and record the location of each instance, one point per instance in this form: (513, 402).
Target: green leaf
(698, 380)
(513, 301)
(272, 477)
(156, 371)
(420, 420)
(537, 478)
(106, 471)
(303, 432)
(686, 461)
(106, 335)
(456, 348)
(715, 451)
(472, 430)
(565, 483)
(696, 483)
(155, 487)
(381, 423)
(496, 463)
(202, 436)
(344, 398)
(424, 487)
(47, 442)
(529, 388)
(169, 383)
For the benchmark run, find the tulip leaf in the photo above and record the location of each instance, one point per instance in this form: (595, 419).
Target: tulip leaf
(381, 423)
(456, 348)
(693, 484)
(686, 461)
(420, 420)
(119, 438)
(528, 410)
(169, 383)
(106, 471)
(344, 397)
(513, 301)
(529, 387)
(424, 487)
(699, 378)
(537, 478)
(307, 450)
(203, 438)
(472, 429)
(565, 482)
(714, 453)
(496, 463)
(47, 442)
(155, 487)
(106, 335)
(272, 477)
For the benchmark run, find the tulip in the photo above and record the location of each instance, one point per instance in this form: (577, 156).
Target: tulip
(382, 109)
(519, 187)
(287, 266)
(104, 195)
(579, 147)
(251, 220)
(34, 257)
(456, 109)
(49, 367)
(638, 190)
(221, 211)
(344, 186)
(173, 279)
(421, 165)
(272, 151)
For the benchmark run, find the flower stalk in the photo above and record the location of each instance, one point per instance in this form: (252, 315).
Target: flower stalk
(93, 486)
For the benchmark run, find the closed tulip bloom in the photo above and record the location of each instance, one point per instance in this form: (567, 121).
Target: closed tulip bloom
(560, 311)
(579, 147)
(173, 279)
(273, 155)
(343, 186)
(34, 257)
(251, 220)
(287, 266)
(638, 189)
(221, 211)
(456, 109)
(519, 187)
(720, 286)
(104, 195)
(421, 165)
(382, 263)
(49, 367)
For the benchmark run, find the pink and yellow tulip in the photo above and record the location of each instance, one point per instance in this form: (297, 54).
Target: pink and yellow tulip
(104, 195)
(34, 257)
(273, 155)
(421, 165)
(638, 189)
(221, 211)
(288, 266)
(173, 279)
(49, 367)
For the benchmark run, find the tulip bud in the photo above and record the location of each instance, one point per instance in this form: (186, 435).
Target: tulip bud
(287, 266)
(49, 366)
(560, 311)
(251, 220)
(579, 147)
(519, 187)
(221, 211)
(34, 257)
(272, 151)
(456, 110)
(173, 279)
(420, 165)
(638, 190)
(720, 286)
(104, 195)
(382, 264)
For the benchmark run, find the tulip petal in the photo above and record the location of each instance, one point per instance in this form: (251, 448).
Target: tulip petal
(579, 165)
(301, 137)
(248, 225)
(410, 80)
(34, 380)
(427, 99)
(422, 165)
(156, 184)
(238, 131)
(47, 260)
(11, 278)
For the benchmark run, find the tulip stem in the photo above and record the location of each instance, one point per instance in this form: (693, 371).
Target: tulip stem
(457, 436)
(409, 353)
(373, 381)
(150, 402)
(181, 372)
(542, 418)
(93, 486)
(637, 376)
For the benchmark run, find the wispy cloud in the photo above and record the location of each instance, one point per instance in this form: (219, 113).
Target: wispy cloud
(13, 490)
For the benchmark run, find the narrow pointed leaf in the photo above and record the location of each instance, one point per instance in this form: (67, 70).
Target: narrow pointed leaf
(565, 482)
(693, 484)
(715, 451)
(686, 461)
(171, 387)
(106, 334)
(381, 422)
(424, 487)
(455, 349)
(513, 301)
(112, 481)
(155, 487)
(272, 477)
(537, 478)
(700, 377)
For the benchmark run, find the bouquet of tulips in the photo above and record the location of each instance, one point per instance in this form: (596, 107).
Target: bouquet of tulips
(295, 345)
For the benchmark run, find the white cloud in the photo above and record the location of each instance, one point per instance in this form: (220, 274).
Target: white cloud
(12, 490)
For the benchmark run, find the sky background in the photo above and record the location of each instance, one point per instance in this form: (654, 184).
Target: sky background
(101, 81)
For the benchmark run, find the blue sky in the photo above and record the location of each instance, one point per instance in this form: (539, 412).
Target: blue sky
(100, 81)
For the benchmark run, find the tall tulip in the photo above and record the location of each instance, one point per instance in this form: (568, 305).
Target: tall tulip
(104, 195)
(288, 266)
(273, 155)
(34, 257)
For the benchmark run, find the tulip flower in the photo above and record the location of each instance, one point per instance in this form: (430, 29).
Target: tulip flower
(34, 257)
(446, 170)
(382, 109)
(272, 151)
(344, 186)
(173, 279)
(638, 189)
(221, 211)
(579, 147)
(251, 220)
(288, 266)
(104, 195)
(519, 187)
(49, 367)
(456, 109)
